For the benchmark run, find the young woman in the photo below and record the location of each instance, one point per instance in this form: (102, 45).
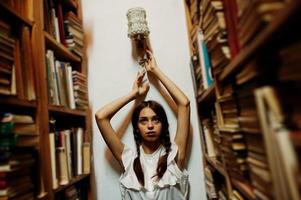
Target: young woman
(155, 170)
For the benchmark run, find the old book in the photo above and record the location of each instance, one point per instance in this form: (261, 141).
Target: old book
(281, 155)
(17, 118)
(27, 64)
(62, 166)
(53, 161)
(86, 158)
(207, 134)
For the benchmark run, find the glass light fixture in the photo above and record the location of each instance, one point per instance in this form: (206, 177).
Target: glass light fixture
(138, 32)
(137, 24)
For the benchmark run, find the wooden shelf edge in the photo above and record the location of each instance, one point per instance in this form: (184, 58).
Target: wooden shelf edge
(207, 94)
(11, 100)
(68, 111)
(71, 182)
(12, 14)
(215, 165)
(263, 39)
(62, 50)
(45, 196)
(244, 188)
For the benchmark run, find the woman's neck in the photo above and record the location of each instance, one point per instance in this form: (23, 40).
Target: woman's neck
(150, 148)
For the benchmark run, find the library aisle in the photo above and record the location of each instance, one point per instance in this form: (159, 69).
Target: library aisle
(237, 60)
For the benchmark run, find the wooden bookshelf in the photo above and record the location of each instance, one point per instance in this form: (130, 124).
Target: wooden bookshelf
(71, 182)
(245, 188)
(61, 50)
(14, 16)
(26, 30)
(66, 111)
(207, 95)
(10, 100)
(237, 123)
(215, 164)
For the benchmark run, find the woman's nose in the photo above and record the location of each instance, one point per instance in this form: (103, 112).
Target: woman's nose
(150, 124)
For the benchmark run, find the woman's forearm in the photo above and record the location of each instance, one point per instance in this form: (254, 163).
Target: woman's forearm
(178, 96)
(109, 110)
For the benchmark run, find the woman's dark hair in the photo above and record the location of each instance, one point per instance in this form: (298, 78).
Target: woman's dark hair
(164, 138)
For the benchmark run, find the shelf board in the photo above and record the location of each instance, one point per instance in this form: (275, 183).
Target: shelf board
(14, 101)
(230, 130)
(66, 111)
(207, 94)
(73, 181)
(44, 196)
(60, 50)
(264, 39)
(215, 165)
(13, 16)
(244, 188)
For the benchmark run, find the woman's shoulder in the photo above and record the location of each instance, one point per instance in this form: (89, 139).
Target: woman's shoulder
(128, 155)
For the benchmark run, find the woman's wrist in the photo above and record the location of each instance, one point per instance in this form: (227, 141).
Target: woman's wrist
(134, 93)
(154, 70)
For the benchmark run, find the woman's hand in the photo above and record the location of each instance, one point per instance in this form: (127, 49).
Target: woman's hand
(139, 87)
(151, 64)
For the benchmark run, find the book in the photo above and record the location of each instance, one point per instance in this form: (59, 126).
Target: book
(281, 155)
(86, 157)
(53, 161)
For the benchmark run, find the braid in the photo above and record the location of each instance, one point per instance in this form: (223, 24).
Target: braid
(137, 164)
(162, 163)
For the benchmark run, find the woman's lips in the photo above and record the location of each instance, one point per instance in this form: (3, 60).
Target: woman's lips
(151, 133)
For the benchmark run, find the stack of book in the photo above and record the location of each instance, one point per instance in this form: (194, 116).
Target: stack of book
(194, 12)
(18, 130)
(215, 184)
(253, 17)
(246, 81)
(233, 144)
(80, 88)
(215, 36)
(74, 34)
(18, 136)
(16, 63)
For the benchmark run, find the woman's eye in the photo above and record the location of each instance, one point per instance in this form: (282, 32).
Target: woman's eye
(156, 120)
(143, 121)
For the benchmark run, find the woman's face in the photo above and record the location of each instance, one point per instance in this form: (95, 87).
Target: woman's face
(149, 125)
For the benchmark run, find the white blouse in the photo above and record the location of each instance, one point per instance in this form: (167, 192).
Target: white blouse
(172, 186)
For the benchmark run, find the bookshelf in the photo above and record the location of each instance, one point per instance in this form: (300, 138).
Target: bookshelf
(255, 66)
(45, 117)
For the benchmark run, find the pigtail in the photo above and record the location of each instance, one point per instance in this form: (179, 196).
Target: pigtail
(162, 163)
(137, 164)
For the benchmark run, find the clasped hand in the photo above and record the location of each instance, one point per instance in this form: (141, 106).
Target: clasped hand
(139, 87)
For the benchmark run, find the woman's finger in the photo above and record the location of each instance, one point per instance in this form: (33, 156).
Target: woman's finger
(140, 76)
(149, 54)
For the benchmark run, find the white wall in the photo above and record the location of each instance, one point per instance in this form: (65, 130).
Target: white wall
(112, 71)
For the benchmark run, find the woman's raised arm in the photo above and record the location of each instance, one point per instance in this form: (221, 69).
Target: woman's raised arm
(183, 103)
(104, 115)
